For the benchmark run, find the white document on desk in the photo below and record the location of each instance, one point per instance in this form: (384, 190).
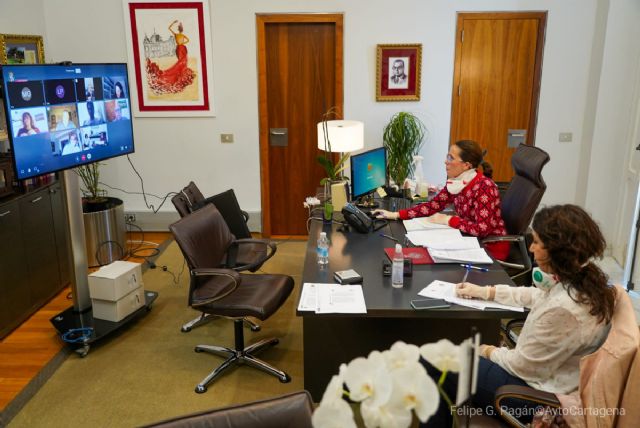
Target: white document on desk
(340, 299)
(426, 238)
(422, 223)
(446, 290)
(475, 255)
(462, 243)
(308, 297)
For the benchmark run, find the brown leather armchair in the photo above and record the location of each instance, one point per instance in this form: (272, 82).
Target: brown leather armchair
(243, 254)
(286, 411)
(204, 238)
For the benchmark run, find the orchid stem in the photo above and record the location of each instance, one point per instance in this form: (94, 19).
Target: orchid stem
(446, 397)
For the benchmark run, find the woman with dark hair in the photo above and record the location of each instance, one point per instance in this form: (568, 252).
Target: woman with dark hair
(571, 306)
(28, 126)
(474, 196)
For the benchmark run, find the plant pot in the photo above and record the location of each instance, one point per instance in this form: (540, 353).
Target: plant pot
(104, 229)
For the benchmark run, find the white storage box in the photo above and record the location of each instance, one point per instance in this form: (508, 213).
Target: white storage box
(115, 280)
(119, 309)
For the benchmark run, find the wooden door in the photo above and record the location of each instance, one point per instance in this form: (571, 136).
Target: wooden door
(497, 82)
(300, 77)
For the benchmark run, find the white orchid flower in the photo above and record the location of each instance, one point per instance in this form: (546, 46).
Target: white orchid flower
(368, 379)
(443, 355)
(413, 389)
(384, 416)
(335, 389)
(333, 413)
(400, 354)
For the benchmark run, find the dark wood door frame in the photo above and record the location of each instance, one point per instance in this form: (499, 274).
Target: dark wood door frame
(541, 16)
(261, 21)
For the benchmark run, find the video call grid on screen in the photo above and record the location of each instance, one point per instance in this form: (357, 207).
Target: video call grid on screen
(368, 171)
(58, 111)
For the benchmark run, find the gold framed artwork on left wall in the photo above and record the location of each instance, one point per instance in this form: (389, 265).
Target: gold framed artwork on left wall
(21, 49)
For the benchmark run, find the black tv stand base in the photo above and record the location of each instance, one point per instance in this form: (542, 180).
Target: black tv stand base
(70, 319)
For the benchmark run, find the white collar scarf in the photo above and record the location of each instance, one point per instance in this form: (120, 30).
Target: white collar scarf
(455, 185)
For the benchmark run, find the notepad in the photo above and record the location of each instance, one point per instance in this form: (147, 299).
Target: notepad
(446, 290)
(332, 299)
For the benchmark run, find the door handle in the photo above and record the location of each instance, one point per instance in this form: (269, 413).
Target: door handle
(279, 137)
(5, 213)
(36, 199)
(515, 137)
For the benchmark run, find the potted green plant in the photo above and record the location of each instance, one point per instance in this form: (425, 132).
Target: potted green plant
(402, 138)
(104, 224)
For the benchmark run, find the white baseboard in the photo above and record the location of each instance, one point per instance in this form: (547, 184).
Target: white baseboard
(160, 221)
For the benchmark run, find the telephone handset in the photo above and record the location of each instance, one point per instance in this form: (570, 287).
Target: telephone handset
(359, 220)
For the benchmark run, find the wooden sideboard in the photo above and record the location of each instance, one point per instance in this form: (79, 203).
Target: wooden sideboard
(34, 254)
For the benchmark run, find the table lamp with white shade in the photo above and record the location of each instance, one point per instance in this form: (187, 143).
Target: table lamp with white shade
(340, 136)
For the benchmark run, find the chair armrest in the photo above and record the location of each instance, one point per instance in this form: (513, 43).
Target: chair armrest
(522, 246)
(208, 292)
(270, 249)
(508, 330)
(522, 393)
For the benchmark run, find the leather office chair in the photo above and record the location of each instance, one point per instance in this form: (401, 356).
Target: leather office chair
(610, 374)
(245, 254)
(519, 204)
(286, 411)
(190, 199)
(204, 237)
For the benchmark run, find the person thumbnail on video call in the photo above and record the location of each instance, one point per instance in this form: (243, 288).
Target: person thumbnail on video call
(65, 143)
(117, 110)
(63, 117)
(89, 89)
(114, 88)
(29, 121)
(91, 113)
(94, 136)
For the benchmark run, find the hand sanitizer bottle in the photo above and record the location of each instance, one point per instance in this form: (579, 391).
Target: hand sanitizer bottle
(397, 270)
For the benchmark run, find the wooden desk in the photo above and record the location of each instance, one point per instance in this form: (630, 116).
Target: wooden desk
(332, 339)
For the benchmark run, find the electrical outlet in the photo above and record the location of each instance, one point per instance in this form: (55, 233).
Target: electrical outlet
(129, 218)
(565, 137)
(226, 138)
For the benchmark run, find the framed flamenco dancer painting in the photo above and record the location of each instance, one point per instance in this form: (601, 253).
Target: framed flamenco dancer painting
(169, 48)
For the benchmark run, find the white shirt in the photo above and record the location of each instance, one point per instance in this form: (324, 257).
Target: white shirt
(557, 333)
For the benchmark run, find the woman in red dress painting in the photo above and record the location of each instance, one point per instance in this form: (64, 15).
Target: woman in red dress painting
(177, 77)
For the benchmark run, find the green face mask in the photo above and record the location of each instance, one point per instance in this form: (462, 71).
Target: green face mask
(543, 280)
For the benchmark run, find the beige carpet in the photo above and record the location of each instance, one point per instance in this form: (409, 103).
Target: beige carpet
(149, 370)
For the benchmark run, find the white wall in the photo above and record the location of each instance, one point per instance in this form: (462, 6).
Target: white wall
(23, 17)
(169, 152)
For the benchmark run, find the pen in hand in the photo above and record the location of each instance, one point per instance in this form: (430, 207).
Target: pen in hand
(388, 237)
(467, 267)
(466, 274)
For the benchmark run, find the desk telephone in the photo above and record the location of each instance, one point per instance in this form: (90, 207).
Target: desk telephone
(360, 221)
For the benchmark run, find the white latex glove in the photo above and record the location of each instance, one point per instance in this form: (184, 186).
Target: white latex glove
(440, 218)
(390, 215)
(472, 291)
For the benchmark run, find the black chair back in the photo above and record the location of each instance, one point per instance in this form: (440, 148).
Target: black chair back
(187, 199)
(523, 196)
(227, 203)
(204, 237)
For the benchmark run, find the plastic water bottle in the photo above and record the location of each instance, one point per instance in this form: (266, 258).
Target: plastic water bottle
(397, 270)
(323, 249)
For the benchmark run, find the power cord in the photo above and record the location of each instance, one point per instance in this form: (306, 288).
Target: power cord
(144, 194)
(78, 335)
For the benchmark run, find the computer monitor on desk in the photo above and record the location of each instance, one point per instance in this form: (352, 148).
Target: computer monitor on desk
(368, 172)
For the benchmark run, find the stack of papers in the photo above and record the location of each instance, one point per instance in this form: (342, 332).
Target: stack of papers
(422, 223)
(449, 246)
(446, 290)
(332, 299)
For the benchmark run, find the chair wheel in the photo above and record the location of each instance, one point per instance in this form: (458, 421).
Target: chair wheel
(201, 389)
(197, 349)
(285, 379)
(185, 329)
(255, 328)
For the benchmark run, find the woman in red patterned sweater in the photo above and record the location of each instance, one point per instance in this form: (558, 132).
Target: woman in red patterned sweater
(474, 196)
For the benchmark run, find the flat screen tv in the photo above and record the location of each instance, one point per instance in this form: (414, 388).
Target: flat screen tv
(63, 116)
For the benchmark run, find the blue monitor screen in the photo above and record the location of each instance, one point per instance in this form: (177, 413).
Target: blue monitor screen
(62, 116)
(368, 171)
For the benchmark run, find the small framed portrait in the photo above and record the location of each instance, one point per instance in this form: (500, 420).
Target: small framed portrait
(21, 49)
(398, 72)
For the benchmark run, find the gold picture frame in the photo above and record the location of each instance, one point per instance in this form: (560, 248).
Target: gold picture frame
(21, 49)
(398, 69)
